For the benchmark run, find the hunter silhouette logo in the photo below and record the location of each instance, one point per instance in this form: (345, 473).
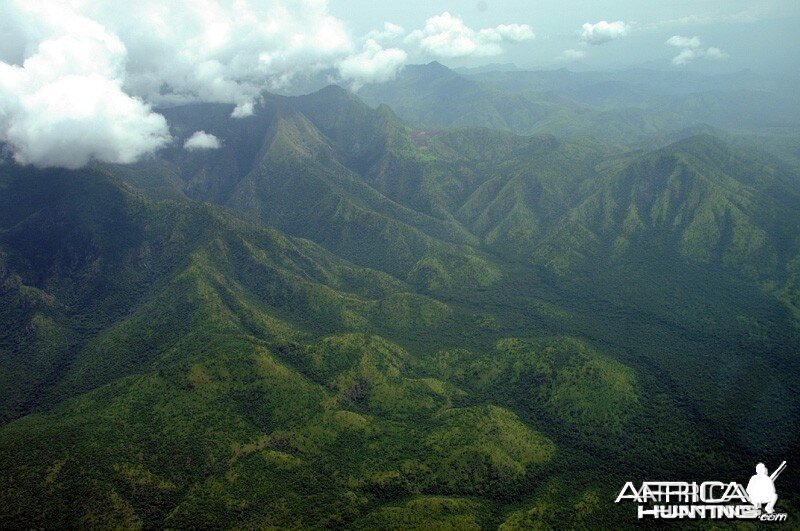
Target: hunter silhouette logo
(709, 499)
(761, 488)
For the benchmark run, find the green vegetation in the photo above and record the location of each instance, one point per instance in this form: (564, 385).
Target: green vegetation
(336, 320)
(428, 513)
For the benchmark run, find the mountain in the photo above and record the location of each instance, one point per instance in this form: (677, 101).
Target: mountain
(697, 198)
(699, 233)
(635, 81)
(625, 107)
(203, 320)
(338, 319)
(491, 67)
(433, 95)
(201, 367)
(106, 257)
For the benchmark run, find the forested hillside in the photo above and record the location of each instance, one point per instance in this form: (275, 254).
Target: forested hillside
(339, 318)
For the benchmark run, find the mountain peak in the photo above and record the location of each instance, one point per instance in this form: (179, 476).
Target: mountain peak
(702, 144)
(433, 68)
(327, 99)
(333, 90)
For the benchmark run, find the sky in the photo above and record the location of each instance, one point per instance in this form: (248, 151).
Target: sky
(758, 35)
(82, 80)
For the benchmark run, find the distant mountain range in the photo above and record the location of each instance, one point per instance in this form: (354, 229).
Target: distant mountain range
(622, 106)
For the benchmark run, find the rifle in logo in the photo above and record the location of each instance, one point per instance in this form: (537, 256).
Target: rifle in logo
(777, 472)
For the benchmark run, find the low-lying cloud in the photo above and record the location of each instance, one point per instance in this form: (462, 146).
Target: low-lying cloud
(691, 49)
(200, 140)
(572, 55)
(373, 65)
(603, 31)
(683, 42)
(448, 36)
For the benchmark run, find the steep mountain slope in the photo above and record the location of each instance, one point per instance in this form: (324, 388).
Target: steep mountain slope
(317, 167)
(697, 198)
(301, 188)
(217, 338)
(84, 252)
(186, 397)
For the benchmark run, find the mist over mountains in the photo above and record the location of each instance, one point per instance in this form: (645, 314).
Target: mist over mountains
(625, 106)
(475, 299)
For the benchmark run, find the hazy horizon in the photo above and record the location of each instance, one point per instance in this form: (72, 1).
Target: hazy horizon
(751, 35)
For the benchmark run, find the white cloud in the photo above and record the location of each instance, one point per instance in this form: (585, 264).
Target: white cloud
(388, 33)
(201, 140)
(603, 31)
(62, 101)
(447, 36)
(242, 110)
(686, 55)
(683, 42)
(746, 16)
(512, 32)
(220, 50)
(571, 55)
(373, 65)
(691, 49)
